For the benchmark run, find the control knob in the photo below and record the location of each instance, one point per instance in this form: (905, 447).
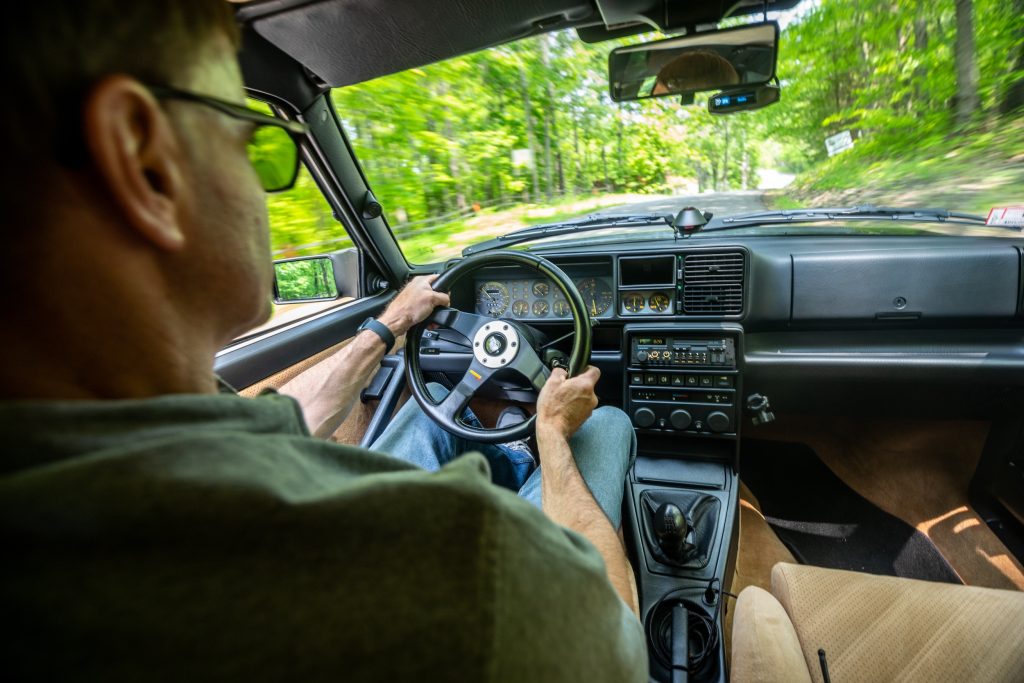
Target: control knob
(718, 421)
(680, 419)
(642, 356)
(644, 417)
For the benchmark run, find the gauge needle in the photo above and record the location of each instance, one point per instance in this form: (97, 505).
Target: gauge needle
(593, 307)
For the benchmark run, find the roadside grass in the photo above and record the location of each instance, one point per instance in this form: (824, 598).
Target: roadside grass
(972, 172)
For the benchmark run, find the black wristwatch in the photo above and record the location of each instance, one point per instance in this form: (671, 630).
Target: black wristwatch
(381, 331)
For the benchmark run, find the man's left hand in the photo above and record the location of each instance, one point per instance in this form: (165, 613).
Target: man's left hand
(414, 303)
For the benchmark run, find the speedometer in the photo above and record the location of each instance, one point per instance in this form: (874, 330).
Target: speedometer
(492, 298)
(596, 295)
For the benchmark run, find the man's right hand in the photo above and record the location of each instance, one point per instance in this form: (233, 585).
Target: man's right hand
(564, 404)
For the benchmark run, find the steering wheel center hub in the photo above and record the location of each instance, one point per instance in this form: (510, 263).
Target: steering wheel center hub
(496, 344)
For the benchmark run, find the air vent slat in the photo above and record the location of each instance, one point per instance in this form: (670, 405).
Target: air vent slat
(713, 283)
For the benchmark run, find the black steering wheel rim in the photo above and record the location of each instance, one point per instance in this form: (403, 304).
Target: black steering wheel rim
(578, 357)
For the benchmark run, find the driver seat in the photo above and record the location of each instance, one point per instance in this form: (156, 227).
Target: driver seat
(875, 628)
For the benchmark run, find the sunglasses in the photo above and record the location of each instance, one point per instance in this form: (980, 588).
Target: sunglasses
(273, 148)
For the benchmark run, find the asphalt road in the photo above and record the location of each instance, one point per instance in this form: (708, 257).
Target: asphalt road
(718, 203)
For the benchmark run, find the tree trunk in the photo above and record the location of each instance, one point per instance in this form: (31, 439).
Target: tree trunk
(530, 139)
(549, 115)
(725, 156)
(966, 63)
(1013, 99)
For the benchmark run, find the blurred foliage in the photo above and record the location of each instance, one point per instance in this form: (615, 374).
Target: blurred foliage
(308, 279)
(437, 142)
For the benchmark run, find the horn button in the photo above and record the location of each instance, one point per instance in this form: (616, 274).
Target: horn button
(496, 344)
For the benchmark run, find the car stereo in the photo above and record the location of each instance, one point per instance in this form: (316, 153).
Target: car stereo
(668, 351)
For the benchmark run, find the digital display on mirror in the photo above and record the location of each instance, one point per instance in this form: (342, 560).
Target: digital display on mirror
(734, 100)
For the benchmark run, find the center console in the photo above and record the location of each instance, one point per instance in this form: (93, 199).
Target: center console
(682, 391)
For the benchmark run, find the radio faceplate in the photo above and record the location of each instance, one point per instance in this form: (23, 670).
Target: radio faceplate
(668, 351)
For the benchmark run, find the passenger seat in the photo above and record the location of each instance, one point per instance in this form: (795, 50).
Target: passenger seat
(875, 628)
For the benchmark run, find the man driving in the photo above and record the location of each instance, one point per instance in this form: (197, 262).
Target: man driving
(157, 529)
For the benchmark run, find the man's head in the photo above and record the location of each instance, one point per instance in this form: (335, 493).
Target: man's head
(696, 70)
(134, 200)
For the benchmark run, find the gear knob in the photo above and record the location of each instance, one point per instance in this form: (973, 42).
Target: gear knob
(671, 529)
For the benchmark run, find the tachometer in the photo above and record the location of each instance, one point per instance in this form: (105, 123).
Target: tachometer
(633, 302)
(492, 297)
(520, 308)
(658, 302)
(596, 295)
(541, 288)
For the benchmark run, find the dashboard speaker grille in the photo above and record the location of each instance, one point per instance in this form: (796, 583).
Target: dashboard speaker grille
(713, 283)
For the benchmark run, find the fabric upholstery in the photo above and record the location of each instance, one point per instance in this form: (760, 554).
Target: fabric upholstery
(765, 647)
(882, 628)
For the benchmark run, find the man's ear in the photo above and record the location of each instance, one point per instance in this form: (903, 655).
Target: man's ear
(138, 157)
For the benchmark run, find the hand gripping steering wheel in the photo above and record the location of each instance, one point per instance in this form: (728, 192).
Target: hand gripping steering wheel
(497, 345)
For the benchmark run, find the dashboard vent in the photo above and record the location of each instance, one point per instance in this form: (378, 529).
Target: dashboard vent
(713, 283)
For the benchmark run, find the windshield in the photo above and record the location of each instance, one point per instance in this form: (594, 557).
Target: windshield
(910, 104)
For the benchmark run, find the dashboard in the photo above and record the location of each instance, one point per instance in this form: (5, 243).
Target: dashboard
(626, 287)
(855, 323)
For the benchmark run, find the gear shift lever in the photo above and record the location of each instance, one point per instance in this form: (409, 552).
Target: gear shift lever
(671, 529)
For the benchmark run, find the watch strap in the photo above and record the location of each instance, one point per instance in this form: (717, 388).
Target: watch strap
(381, 330)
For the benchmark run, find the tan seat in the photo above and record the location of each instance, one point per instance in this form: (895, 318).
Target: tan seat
(875, 628)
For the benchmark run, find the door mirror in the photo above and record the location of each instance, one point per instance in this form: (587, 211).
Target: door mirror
(743, 99)
(744, 56)
(308, 278)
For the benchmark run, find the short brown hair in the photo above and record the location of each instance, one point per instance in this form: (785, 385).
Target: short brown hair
(55, 50)
(696, 70)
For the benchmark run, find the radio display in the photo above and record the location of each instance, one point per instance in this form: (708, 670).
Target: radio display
(650, 341)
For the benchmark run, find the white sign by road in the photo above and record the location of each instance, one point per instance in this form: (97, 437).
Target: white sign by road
(840, 142)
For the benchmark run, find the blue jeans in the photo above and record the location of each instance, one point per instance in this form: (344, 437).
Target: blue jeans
(604, 448)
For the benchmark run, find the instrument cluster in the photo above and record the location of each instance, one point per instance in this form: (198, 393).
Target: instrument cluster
(539, 298)
(656, 302)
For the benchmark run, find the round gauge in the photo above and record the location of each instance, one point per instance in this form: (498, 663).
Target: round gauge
(560, 308)
(541, 288)
(492, 297)
(540, 308)
(633, 302)
(596, 295)
(520, 308)
(659, 302)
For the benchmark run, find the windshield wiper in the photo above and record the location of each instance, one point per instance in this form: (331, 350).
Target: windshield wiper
(866, 212)
(593, 222)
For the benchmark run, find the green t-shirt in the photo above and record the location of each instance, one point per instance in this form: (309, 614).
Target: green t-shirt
(210, 537)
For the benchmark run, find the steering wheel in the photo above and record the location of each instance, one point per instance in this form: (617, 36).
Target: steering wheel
(498, 345)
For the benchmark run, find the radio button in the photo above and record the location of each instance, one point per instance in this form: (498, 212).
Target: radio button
(677, 380)
(636, 378)
(705, 380)
(691, 380)
(663, 379)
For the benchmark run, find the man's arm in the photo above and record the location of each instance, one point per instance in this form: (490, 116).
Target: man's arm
(563, 405)
(327, 391)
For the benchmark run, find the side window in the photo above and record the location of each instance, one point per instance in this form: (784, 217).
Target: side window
(302, 224)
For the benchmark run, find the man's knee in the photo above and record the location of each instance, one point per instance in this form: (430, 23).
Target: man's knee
(609, 435)
(437, 392)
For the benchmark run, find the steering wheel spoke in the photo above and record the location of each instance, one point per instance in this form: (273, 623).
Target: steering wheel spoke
(528, 364)
(462, 322)
(452, 405)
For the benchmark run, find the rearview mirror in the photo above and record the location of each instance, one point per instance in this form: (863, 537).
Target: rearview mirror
(713, 60)
(308, 278)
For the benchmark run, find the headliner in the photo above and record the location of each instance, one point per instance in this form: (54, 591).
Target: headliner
(351, 41)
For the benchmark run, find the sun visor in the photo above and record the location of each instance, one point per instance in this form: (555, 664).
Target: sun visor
(351, 41)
